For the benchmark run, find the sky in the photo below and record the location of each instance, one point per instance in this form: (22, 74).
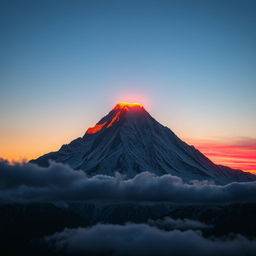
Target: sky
(192, 64)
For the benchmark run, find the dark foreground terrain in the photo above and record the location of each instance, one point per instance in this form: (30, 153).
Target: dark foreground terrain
(23, 226)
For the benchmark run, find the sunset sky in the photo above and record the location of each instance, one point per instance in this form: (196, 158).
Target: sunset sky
(192, 64)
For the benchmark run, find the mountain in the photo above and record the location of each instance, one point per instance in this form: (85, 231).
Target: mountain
(129, 140)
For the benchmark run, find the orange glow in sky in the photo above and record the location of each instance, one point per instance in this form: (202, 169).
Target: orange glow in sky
(239, 154)
(135, 98)
(31, 142)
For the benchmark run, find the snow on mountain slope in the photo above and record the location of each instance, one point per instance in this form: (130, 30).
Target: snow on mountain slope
(129, 140)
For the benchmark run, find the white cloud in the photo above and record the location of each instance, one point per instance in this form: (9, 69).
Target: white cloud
(58, 182)
(141, 239)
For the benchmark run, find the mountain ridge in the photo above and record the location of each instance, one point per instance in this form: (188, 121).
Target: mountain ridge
(129, 140)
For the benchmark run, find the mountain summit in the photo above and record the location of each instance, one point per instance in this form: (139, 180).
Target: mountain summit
(129, 140)
(116, 114)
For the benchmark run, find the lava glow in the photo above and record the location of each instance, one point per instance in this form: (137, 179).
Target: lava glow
(114, 119)
(95, 128)
(122, 106)
(128, 106)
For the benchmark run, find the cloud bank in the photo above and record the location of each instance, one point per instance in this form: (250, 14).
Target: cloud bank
(168, 223)
(141, 239)
(58, 182)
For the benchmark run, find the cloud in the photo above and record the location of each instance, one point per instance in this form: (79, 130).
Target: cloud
(168, 223)
(238, 153)
(58, 182)
(141, 239)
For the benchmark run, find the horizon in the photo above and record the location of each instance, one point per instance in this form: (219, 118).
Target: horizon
(216, 151)
(190, 63)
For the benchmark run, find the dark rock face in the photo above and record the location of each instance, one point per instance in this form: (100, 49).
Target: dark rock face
(23, 225)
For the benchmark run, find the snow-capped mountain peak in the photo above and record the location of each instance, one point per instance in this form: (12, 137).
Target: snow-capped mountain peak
(129, 140)
(120, 111)
(129, 106)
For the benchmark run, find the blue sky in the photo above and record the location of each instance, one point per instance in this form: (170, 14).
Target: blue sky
(64, 64)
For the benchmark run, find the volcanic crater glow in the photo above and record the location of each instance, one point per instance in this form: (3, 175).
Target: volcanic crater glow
(122, 106)
(128, 106)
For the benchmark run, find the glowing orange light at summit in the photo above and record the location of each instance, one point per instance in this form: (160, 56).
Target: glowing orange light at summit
(122, 106)
(127, 106)
(237, 154)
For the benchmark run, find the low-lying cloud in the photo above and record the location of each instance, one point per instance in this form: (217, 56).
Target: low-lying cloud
(168, 223)
(141, 239)
(58, 182)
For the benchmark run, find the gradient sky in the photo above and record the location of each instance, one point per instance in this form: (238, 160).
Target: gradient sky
(65, 64)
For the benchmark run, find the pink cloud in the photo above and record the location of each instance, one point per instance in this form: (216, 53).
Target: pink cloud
(238, 153)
